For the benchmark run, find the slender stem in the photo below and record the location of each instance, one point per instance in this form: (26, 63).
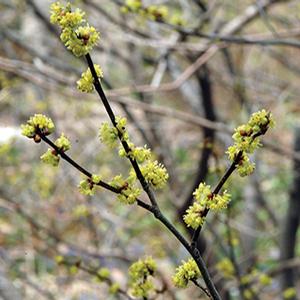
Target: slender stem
(201, 287)
(233, 259)
(125, 145)
(216, 191)
(76, 165)
(242, 286)
(193, 251)
(87, 173)
(229, 171)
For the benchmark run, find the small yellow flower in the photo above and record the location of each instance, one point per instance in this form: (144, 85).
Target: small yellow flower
(193, 217)
(140, 154)
(219, 202)
(186, 272)
(86, 82)
(128, 192)
(88, 185)
(139, 282)
(246, 139)
(155, 173)
(77, 35)
(51, 158)
(63, 143)
(37, 123)
(108, 135)
(202, 193)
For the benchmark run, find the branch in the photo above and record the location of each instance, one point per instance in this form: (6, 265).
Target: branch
(125, 145)
(216, 191)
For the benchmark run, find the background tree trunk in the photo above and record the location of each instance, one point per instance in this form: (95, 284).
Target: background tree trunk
(289, 235)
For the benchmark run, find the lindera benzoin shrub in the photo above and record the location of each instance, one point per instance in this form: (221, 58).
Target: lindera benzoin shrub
(146, 173)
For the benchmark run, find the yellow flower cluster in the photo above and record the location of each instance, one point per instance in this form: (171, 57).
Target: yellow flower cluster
(85, 83)
(88, 186)
(186, 272)
(154, 172)
(140, 154)
(109, 134)
(77, 35)
(41, 125)
(204, 199)
(129, 192)
(37, 124)
(51, 157)
(193, 217)
(139, 272)
(246, 140)
(121, 126)
(63, 143)
(264, 279)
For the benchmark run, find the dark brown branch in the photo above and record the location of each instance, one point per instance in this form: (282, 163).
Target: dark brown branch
(125, 145)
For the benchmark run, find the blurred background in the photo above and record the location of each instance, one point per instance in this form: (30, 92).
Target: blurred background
(184, 79)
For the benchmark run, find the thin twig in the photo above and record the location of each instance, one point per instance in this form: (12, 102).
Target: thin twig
(216, 191)
(125, 145)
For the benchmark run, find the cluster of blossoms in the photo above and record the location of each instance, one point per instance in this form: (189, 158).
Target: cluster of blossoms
(158, 13)
(36, 125)
(140, 154)
(52, 157)
(139, 272)
(109, 135)
(88, 185)
(186, 272)
(77, 35)
(204, 199)
(128, 192)
(85, 83)
(246, 140)
(41, 125)
(153, 172)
